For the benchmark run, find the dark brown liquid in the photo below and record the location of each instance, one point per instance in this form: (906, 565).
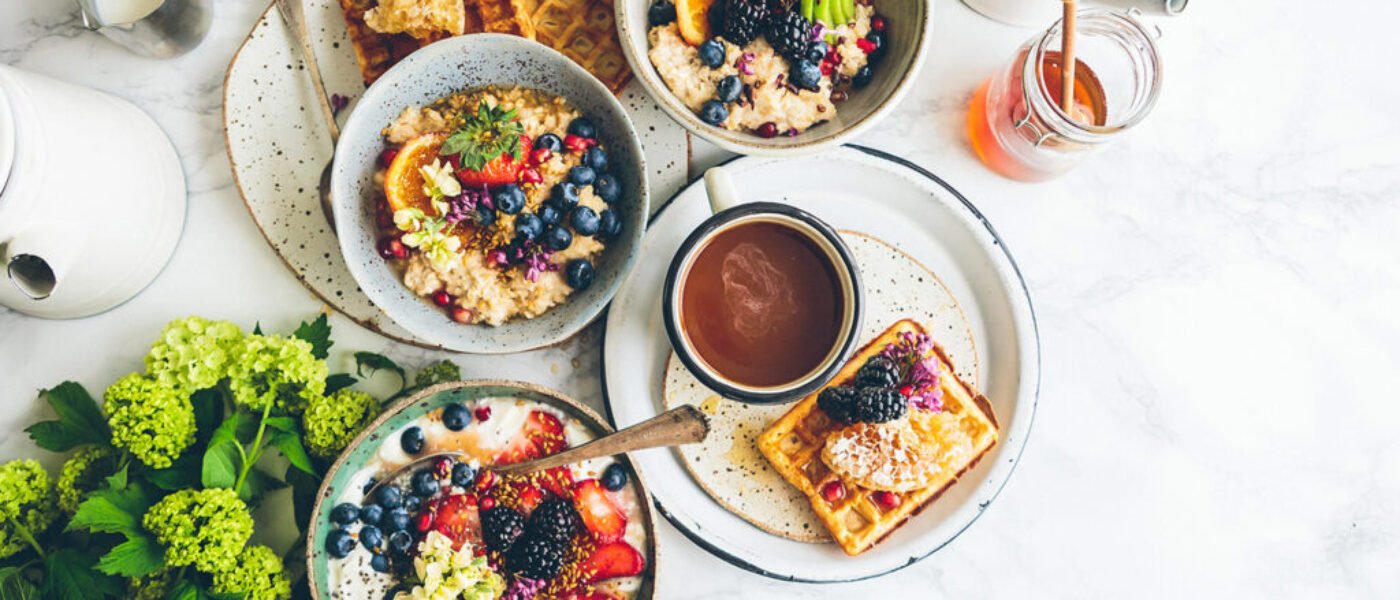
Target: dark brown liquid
(761, 304)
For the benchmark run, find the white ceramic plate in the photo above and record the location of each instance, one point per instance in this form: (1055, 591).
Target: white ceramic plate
(868, 191)
(277, 146)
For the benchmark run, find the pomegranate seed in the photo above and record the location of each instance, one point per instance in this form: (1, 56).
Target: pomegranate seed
(906, 390)
(425, 520)
(461, 315)
(384, 219)
(531, 175)
(865, 45)
(575, 143)
(482, 413)
(767, 130)
(442, 468)
(878, 23)
(887, 500)
(827, 68)
(834, 491)
(442, 298)
(392, 248)
(387, 157)
(488, 503)
(540, 155)
(484, 480)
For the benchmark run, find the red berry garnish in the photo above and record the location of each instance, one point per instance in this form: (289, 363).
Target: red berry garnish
(482, 413)
(865, 45)
(442, 467)
(540, 155)
(878, 23)
(387, 157)
(767, 130)
(887, 500)
(461, 315)
(392, 248)
(906, 390)
(530, 175)
(575, 143)
(424, 520)
(442, 298)
(834, 491)
(487, 503)
(484, 480)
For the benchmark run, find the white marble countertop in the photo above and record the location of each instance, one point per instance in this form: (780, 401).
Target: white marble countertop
(1217, 297)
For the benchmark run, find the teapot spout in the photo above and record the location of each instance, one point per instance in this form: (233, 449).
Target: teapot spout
(37, 259)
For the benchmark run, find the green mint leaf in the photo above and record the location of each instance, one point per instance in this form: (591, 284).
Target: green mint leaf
(377, 362)
(339, 381)
(318, 334)
(138, 556)
(70, 575)
(79, 422)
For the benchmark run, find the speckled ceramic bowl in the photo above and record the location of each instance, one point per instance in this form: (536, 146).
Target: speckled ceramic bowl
(464, 63)
(364, 447)
(910, 29)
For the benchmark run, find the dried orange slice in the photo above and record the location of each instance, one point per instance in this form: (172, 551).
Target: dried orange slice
(693, 18)
(403, 182)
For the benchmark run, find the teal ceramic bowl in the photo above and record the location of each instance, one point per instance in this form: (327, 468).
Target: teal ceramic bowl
(364, 447)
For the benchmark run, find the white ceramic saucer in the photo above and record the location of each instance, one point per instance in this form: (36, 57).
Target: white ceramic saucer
(863, 190)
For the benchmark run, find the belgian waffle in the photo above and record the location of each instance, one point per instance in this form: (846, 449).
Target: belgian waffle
(952, 440)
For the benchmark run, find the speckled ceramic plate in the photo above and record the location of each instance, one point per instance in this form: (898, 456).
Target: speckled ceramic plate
(728, 464)
(277, 147)
(366, 445)
(866, 191)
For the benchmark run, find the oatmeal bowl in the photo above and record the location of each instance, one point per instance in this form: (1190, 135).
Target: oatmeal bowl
(775, 77)
(489, 195)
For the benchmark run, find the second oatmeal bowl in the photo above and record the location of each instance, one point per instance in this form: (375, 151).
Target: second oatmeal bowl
(489, 194)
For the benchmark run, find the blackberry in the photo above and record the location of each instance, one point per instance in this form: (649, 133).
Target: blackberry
(554, 519)
(500, 527)
(878, 405)
(743, 20)
(788, 32)
(536, 558)
(837, 403)
(879, 371)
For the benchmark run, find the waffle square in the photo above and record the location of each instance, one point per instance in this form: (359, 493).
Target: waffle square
(957, 437)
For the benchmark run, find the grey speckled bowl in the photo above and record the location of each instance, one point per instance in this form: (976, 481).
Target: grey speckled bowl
(464, 63)
(910, 30)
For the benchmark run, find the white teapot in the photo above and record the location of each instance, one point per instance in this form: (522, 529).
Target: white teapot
(92, 197)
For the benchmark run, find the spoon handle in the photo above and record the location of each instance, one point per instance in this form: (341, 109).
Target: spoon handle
(294, 14)
(683, 425)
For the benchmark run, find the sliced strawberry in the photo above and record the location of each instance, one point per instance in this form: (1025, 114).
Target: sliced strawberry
(458, 519)
(546, 431)
(559, 481)
(498, 171)
(519, 449)
(530, 497)
(616, 559)
(587, 593)
(600, 514)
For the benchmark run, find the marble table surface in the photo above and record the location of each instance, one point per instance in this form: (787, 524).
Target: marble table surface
(1217, 297)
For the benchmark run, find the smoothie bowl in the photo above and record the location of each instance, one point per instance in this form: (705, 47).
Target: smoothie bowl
(395, 521)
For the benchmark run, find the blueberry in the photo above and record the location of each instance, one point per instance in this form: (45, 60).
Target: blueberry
(485, 216)
(877, 38)
(713, 112)
(711, 53)
(379, 562)
(371, 536)
(862, 76)
(609, 224)
(345, 514)
(527, 227)
(614, 477)
(595, 158)
(817, 51)
(584, 220)
(370, 515)
(463, 474)
(412, 441)
(661, 13)
(806, 75)
(566, 194)
(339, 543)
(455, 417)
(551, 213)
(608, 188)
(582, 127)
(508, 198)
(368, 484)
(582, 175)
(423, 483)
(389, 497)
(549, 142)
(558, 238)
(412, 504)
(729, 88)
(396, 520)
(400, 542)
(579, 273)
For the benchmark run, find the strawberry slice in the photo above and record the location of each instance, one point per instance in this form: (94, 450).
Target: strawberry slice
(458, 519)
(546, 431)
(519, 449)
(616, 559)
(601, 515)
(586, 593)
(498, 171)
(559, 481)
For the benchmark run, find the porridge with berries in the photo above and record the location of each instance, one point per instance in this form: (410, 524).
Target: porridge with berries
(770, 67)
(452, 528)
(497, 202)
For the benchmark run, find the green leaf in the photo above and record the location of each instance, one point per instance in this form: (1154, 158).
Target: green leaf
(185, 472)
(15, 586)
(224, 456)
(484, 136)
(318, 334)
(79, 422)
(138, 556)
(376, 362)
(289, 444)
(304, 489)
(257, 328)
(70, 575)
(441, 371)
(208, 410)
(256, 485)
(339, 381)
(112, 510)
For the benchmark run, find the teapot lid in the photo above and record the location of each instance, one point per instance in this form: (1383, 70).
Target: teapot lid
(7, 139)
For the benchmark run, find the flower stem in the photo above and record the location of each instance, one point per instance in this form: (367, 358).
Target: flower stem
(28, 537)
(252, 459)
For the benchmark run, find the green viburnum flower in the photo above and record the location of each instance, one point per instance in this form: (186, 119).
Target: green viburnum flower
(193, 353)
(258, 576)
(439, 181)
(83, 473)
(278, 370)
(151, 420)
(438, 372)
(151, 587)
(205, 528)
(331, 422)
(27, 505)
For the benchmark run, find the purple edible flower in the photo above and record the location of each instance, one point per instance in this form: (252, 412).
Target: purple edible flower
(743, 63)
(920, 369)
(463, 207)
(819, 30)
(537, 262)
(338, 102)
(498, 257)
(523, 588)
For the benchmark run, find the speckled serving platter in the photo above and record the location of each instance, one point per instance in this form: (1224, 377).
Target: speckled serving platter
(278, 146)
(728, 464)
